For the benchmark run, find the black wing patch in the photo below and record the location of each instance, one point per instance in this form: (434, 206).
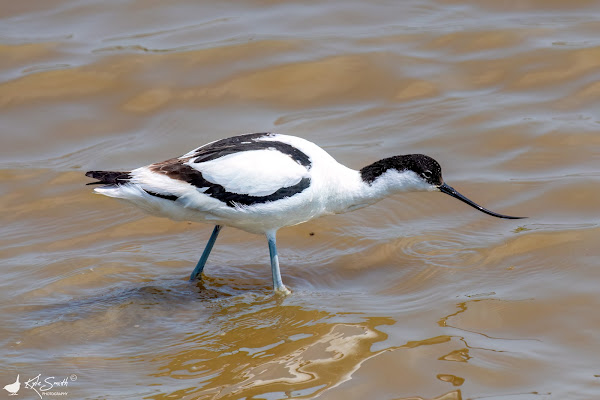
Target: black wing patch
(247, 142)
(171, 197)
(108, 177)
(176, 169)
(231, 199)
(114, 178)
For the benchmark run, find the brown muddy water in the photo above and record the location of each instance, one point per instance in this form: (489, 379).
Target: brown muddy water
(416, 297)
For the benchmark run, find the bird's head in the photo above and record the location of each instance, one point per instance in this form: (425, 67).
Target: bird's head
(416, 172)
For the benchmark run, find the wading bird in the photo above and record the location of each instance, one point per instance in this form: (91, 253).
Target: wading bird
(261, 182)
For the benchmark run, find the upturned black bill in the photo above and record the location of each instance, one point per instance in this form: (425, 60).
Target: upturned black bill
(450, 190)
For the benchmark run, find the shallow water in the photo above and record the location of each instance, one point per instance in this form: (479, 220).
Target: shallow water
(418, 296)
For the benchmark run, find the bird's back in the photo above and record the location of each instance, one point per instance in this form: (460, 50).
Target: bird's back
(255, 182)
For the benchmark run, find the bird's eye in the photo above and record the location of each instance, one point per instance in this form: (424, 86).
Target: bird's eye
(426, 174)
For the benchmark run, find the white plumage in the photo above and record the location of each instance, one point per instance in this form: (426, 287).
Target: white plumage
(256, 173)
(262, 182)
(252, 172)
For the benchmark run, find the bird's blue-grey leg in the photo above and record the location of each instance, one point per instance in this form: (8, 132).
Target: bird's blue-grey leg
(278, 285)
(200, 266)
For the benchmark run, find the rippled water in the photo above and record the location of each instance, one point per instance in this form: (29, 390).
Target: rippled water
(418, 296)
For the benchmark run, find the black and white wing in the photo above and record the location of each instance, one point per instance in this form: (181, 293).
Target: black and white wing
(238, 171)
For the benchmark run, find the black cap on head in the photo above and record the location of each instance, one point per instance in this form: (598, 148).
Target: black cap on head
(428, 169)
(424, 166)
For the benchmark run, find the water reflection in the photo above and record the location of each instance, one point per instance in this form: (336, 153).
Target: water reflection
(268, 347)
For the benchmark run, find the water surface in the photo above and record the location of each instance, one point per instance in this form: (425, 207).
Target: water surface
(418, 296)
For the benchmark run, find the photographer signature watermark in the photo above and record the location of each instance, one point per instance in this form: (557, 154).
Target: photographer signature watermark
(44, 386)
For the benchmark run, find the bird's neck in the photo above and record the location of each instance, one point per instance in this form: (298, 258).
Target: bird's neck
(357, 189)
